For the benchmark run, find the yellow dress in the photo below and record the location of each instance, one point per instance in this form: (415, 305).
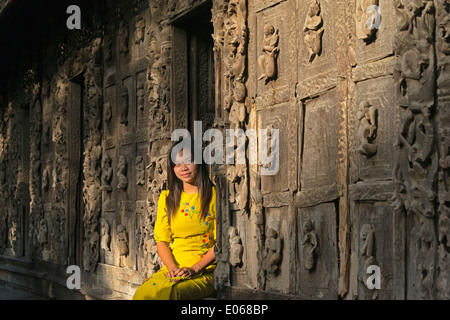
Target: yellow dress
(191, 237)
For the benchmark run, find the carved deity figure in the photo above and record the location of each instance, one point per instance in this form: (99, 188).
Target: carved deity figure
(367, 129)
(140, 31)
(309, 243)
(107, 173)
(236, 248)
(122, 243)
(140, 171)
(267, 61)
(42, 231)
(124, 34)
(106, 237)
(313, 29)
(122, 173)
(107, 112)
(367, 247)
(106, 46)
(46, 178)
(141, 96)
(238, 111)
(272, 251)
(124, 103)
(366, 18)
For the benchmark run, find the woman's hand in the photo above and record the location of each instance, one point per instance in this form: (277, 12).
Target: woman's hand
(183, 272)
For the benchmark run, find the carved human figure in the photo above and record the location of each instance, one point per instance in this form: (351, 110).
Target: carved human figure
(236, 248)
(124, 104)
(141, 96)
(272, 251)
(309, 243)
(107, 112)
(122, 173)
(105, 236)
(140, 170)
(107, 173)
(140, 30)
(42, 231)
(122, 243)
(313, 29)
(267, 61)
(123, 38)
(107, 44)
(366, 19)
(238, 111)
(367, 250)
(367, 128)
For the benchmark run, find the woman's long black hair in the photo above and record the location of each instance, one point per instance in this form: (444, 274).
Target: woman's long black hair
(175, 185)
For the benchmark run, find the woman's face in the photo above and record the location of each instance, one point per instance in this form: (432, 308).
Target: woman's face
(185, 169)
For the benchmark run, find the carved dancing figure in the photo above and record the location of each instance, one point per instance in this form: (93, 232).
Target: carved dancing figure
(106, 237)
(367, 128)
(313, 28)
(310, 244)
(267, 61)
(107, 173)
(272, 252)
(122, 174)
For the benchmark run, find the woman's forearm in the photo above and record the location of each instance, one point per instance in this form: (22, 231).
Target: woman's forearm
(207, 259)
(165, 254)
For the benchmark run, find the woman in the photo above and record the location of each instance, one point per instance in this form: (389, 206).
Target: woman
(185, 233)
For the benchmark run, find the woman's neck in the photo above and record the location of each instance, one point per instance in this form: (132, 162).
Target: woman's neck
(189, 188)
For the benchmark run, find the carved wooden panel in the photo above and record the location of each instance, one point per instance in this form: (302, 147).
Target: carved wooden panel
(271, 66)
(318, 166)
(372, 134)
(278, 249)
(317, 251)
(284, 149)
(378, 43)
(317, 37)
(376, 242)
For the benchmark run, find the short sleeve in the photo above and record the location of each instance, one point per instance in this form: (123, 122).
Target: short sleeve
(162, 230)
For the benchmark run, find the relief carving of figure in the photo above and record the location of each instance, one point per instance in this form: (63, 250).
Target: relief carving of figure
(124, 34)
(140, 31)
(122, 243)
(140, 171)
(267, 62)
(122, 173)
(236, 248)
(238, 110)
(313, 29)
(310, 244)
(124, 104)
(106, 237)
(365, 19)
(107, 112)
(106, 46)
(272, 251)
(46, 178)
(107, 173)
(42, 231)
(141, 96)
(367, 251)
(367, 128)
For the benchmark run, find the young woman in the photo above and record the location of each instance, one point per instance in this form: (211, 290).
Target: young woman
(185, 233)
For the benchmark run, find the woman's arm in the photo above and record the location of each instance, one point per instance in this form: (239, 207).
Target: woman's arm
(165, 254)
